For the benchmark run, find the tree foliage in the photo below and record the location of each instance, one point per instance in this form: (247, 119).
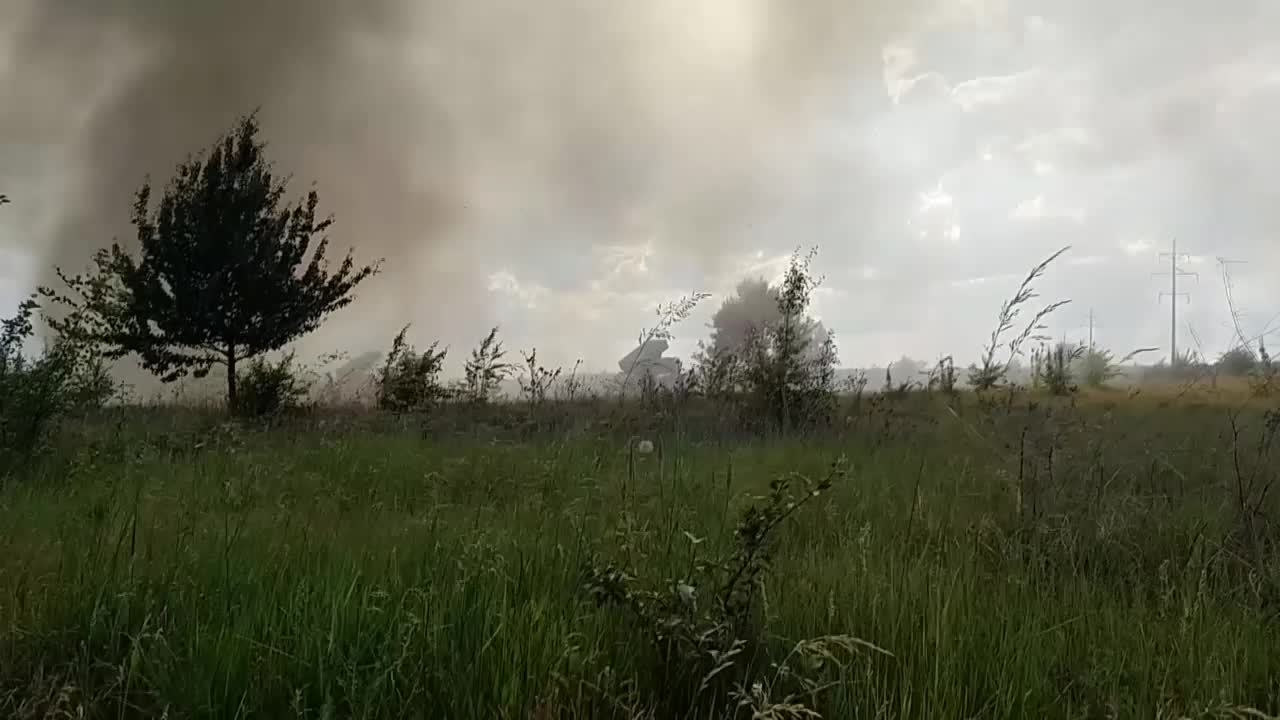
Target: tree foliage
(267, 389)
(409, 381)
(785, 366)
(37, 392)
(226, 269)
(1239, 361)
(1055, 368)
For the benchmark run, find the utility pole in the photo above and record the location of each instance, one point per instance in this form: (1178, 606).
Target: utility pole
(1090, 329)
(1174, 272)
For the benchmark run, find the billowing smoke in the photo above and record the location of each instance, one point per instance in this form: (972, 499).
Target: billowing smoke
(751, 309)
(441, 133)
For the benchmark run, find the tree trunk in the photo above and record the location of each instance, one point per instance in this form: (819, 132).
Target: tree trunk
(231, 379)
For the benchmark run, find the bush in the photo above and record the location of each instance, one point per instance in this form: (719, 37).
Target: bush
(718, 372)
(1238, 362)
(408, 380)
(36, 394)
(785, 368)
(790, 383)
(269, 388)
(707, 629)
(1096, 368)
(1054, 369)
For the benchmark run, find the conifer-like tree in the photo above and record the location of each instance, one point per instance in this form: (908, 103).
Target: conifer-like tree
(226, 270)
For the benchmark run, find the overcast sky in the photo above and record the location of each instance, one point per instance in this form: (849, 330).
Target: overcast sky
(560, 168)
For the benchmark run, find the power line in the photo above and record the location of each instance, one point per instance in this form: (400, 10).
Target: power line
(1174, 273)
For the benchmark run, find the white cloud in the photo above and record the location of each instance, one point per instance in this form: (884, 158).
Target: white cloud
(1037, 208)
(1084, 260)
(1137, 246)
(935, 199)
(504, 282)
(973, 94)
(771, 267)
(1029, 209)
(615, 262)
(981, 280)
(1055, 146)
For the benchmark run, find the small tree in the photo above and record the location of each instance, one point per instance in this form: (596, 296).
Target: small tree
(223, 273)
(791, 383)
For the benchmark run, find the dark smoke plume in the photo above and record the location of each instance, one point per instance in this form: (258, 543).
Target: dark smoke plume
(442, 134)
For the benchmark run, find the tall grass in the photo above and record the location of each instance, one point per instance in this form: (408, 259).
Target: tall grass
(1008, 558)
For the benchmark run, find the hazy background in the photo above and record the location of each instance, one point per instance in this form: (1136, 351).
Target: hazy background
(561, 167)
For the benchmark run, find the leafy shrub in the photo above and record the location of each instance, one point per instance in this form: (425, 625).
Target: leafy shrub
(1053, 368)
(718, 372)
(409, 380)
(707, 630)
(1098, 367)
(267, 388)
(790, 382)
(1238, 362)
(36, 394)
(784, 369)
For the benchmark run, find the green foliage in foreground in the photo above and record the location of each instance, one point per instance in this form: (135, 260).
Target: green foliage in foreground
(1004, 560)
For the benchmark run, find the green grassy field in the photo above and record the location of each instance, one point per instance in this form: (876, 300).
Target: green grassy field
(1114, 557)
